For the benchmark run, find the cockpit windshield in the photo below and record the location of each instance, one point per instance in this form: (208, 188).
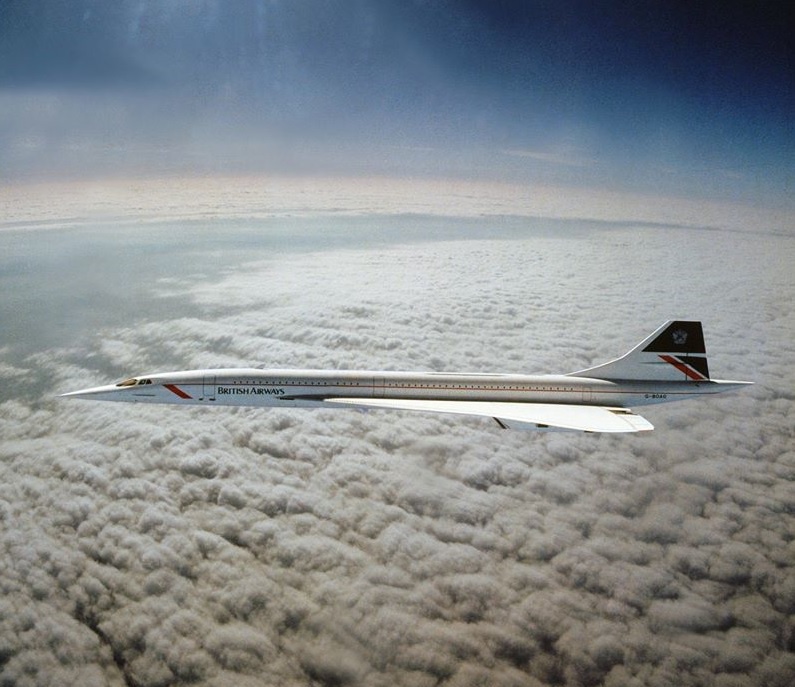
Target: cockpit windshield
(134, 382)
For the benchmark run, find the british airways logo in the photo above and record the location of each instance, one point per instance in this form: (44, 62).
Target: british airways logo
(249, 391)
(680, 337)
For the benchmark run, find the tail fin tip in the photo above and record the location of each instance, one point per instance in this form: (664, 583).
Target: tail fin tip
(678, 336)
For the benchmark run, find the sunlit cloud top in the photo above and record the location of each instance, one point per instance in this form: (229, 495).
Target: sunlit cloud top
(645, 93)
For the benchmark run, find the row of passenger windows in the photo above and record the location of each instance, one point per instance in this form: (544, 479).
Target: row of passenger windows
(399, 385)
(389, 385)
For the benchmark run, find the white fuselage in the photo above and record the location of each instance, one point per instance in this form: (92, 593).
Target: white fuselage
(668, 365)
(310, 388)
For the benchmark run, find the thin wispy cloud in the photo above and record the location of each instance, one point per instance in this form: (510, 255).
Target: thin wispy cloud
(566, 159)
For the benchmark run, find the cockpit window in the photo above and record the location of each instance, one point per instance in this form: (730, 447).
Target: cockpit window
(144, 381)
(128, 382)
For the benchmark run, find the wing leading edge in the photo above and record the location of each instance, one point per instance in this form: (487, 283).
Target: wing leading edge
(528, 416)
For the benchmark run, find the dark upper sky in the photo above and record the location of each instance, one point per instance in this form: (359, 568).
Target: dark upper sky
(628, 93)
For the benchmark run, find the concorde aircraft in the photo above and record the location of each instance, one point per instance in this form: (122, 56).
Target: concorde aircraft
(669, 365)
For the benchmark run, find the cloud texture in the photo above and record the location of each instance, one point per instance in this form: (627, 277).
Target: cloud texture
(164, 546)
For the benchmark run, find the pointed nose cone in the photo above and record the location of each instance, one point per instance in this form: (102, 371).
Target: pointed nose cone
(97, 393)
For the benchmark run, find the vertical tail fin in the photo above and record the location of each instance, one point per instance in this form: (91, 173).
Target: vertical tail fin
(675, 352)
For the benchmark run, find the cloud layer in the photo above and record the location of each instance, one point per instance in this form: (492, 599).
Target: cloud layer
(156, 546)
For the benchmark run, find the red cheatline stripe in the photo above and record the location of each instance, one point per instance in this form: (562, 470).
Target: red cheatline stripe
(174, 389)
(689, 371)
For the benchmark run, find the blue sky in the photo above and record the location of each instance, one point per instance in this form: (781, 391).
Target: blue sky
(688, 97)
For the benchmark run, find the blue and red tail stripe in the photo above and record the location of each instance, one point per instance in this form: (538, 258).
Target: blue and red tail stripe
(689, 366)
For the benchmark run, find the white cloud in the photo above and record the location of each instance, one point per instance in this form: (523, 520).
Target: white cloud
(166, 544)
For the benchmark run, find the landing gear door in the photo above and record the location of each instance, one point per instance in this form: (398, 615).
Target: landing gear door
(208, 388)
